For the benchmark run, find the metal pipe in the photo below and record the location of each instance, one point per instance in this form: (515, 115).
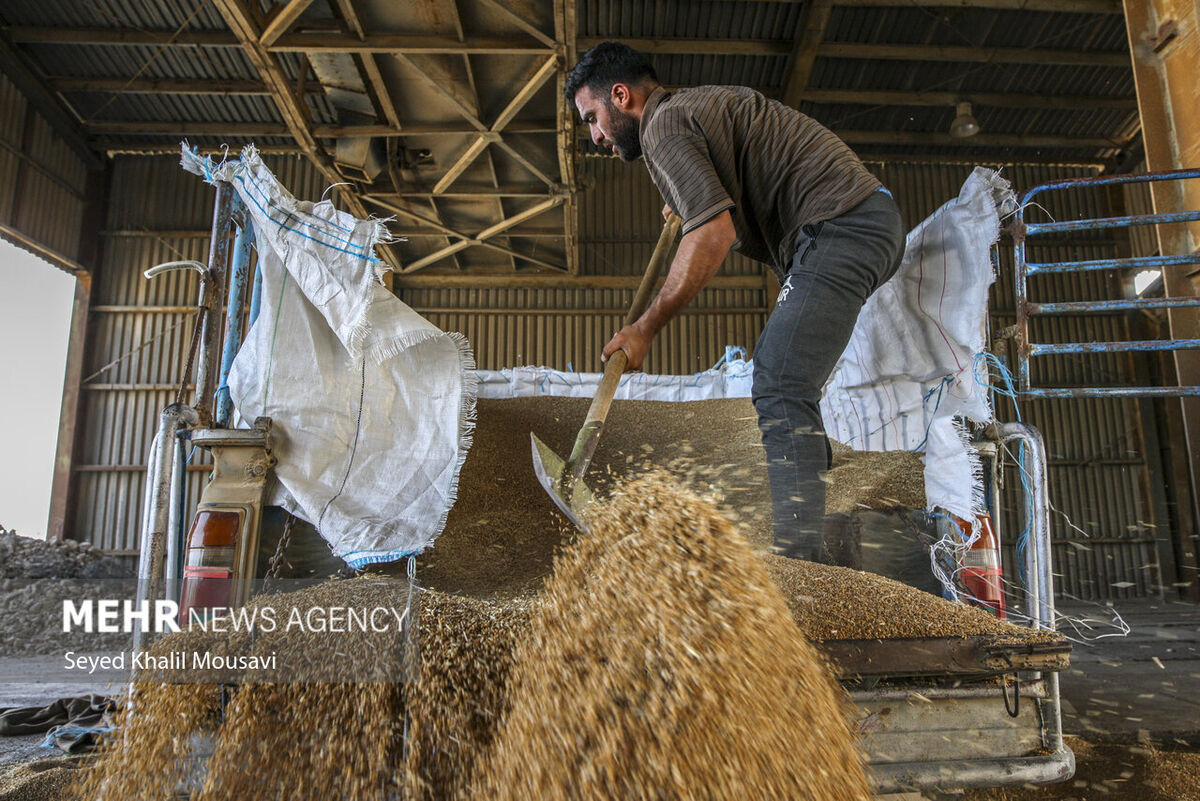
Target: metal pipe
(1030, 689)
(967, 773)
(158, 496)
(1109, 306)
(1039, 572)
(1145, 262)
(1113, 347)
(176, 520)
(1033, 229)
(1111, 392)
(212, 294)
(1021, 286)
(256, 295)
(238, 279)
(1108, 180)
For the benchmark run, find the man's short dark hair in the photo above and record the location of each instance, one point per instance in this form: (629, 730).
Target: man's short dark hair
(606, 64)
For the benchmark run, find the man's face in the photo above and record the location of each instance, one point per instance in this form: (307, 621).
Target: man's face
(609, 126)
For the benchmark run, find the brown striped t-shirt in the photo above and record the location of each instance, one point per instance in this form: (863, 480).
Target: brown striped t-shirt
(712, 148)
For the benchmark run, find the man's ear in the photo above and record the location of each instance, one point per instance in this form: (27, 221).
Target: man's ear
(621, 95)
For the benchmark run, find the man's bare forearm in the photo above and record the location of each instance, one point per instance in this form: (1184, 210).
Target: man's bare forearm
(701, 253)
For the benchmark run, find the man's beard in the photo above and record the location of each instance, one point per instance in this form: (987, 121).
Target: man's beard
(625, 134)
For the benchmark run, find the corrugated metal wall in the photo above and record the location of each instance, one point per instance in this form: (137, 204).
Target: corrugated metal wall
(42, 181)
(1098, 468)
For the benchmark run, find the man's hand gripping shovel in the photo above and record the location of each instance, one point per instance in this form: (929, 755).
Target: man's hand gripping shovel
(564, 479)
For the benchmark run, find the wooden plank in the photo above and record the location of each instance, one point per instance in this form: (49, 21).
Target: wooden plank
(942, 656)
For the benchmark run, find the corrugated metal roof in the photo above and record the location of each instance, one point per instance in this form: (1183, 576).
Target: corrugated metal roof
(719, 19)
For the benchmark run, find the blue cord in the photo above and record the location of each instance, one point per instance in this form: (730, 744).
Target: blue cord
(1009, 391)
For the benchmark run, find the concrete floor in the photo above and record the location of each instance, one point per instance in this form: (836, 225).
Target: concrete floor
(36, 681)
(1146, 684)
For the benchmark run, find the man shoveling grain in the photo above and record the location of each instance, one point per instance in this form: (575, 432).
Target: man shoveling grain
(749, 174)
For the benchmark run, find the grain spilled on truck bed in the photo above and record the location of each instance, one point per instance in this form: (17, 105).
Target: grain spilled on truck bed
(662, 662)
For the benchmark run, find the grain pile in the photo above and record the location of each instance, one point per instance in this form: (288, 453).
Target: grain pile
(836, 603)
(28, 558)
(662, 663)
(40, 780)
(502, 533)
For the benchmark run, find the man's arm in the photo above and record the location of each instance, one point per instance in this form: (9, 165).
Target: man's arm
(701, 253)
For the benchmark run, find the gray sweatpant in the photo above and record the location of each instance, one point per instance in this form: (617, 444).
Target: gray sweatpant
(838, 264)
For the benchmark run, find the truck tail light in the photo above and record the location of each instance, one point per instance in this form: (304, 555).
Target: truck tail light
(210, 562)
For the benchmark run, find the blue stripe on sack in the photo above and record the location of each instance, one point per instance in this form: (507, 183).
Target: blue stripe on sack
(359, 253)
(289, 213)
(315, 217)
(372, 557)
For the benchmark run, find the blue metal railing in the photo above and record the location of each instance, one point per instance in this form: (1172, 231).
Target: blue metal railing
(1027, 349)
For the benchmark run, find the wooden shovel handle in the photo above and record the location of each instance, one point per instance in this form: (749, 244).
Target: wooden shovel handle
(619, 361)
(589, 434)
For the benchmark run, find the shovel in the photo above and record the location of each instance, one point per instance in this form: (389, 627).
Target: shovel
(564, 480)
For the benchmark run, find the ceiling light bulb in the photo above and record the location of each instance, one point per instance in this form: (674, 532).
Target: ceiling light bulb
(964, 124)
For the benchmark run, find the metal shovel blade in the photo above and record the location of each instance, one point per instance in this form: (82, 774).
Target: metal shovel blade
(549, 470)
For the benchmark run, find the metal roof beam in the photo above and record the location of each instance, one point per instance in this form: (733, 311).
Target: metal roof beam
(170, 86)
(902, 52)
(283, 19)
(411, 45)
(248, 129)
(997, 99)
(979, 140)
(241, 21)
(512, 16)
(489, 232)
(688, 46)
(466, 240)
(814, 20)
(1080, 6)
(978, 55)
(565, 32)
(120, 36)
(502, 281)
(473, 190)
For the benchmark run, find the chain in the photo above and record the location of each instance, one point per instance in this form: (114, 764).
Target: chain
(277, 559)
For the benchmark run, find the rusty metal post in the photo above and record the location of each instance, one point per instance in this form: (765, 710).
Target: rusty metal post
(212, 298)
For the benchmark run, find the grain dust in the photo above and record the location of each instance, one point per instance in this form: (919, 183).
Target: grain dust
(661, 662)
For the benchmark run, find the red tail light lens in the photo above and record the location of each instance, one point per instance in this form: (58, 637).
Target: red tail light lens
(209, 565)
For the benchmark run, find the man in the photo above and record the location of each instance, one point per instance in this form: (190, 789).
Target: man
(752, 175)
